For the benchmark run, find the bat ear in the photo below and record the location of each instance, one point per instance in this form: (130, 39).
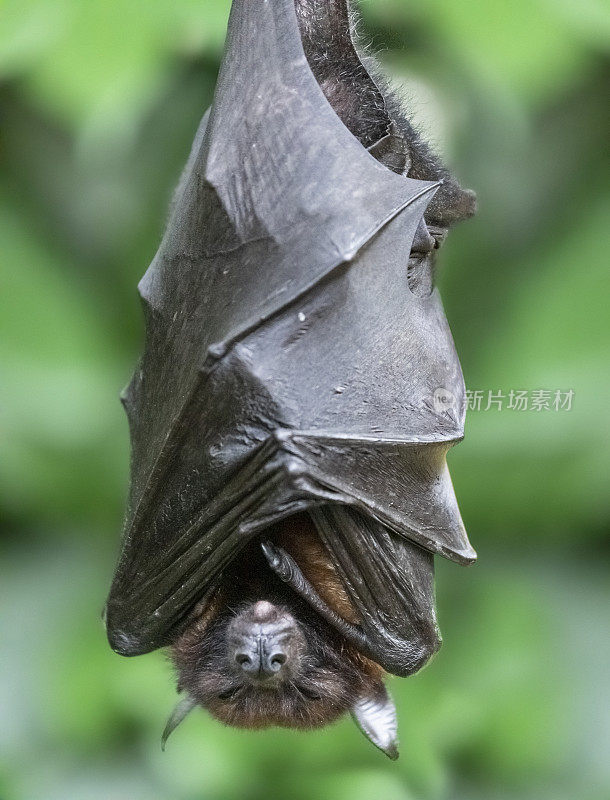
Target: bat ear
(376, 717)
(184, 707)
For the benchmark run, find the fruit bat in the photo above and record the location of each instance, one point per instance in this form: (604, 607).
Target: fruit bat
(298, 392)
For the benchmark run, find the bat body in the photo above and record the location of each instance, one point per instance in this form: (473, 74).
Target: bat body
(289, 486)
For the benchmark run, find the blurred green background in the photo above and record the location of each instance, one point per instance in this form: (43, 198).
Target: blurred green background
(99, 102)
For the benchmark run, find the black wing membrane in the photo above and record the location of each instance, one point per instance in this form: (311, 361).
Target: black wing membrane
(286, 363)
(390, 582)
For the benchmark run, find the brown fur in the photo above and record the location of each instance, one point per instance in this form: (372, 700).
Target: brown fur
(298, 536)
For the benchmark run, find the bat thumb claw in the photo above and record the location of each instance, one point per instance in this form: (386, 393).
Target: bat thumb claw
(279, 561)
(271, 554)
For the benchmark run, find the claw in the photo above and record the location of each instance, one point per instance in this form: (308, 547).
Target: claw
(183, 708)
(286, 568)
(280, 562)
(271, 554)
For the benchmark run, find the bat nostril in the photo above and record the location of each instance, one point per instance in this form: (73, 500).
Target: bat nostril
(274, 662)
(260, 665)
(244, 661)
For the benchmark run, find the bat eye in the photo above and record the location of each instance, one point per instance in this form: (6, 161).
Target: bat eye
(229, 694)
(308, 693)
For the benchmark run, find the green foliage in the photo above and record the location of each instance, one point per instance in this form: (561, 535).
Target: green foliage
(99, 103)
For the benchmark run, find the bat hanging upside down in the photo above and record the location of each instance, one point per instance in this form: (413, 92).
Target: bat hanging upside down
(298, 393)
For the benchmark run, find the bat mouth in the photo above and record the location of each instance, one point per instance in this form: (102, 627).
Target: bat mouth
(312, 628)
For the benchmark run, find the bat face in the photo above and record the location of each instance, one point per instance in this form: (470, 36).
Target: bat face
(260, 667)
(258, 656)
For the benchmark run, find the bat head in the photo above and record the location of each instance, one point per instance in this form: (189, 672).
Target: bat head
(262, 667)
(259, 656)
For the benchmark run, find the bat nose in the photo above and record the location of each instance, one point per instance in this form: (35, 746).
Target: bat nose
(261, 657)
